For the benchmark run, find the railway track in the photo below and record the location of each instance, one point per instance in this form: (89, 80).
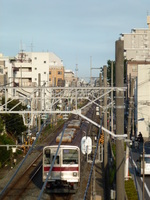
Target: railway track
(21, 183)
(20, 187)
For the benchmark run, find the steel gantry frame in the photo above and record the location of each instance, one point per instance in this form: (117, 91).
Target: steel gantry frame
(43, 100)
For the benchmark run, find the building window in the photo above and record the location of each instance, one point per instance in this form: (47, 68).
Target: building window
(44, 72)
(35, 58)
(1, 70)
(49, 72)
(59, 72)
(35, 68)
(35, 79)
(134, 68)
(49, 79)
(44, 61)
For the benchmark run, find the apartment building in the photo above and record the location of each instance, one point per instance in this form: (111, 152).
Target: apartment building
(27, 65)
(137, 53)
(24, 69)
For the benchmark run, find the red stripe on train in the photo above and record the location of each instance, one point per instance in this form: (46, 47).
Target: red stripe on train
(60, 169)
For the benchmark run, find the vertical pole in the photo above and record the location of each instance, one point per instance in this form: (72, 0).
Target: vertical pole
(100, 84)
(112, 97)
(143, 169)
(120, 193)
(39, 102)
(105, 134)
(91, 69)
(6, 98)
(132, 86)
(129, 129)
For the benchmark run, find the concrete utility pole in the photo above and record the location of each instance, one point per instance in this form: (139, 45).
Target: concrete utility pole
(100, 84)
(105, 134)
(120, 192)
(112, 118)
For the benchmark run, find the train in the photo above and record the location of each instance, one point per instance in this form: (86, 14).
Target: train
(65, 172)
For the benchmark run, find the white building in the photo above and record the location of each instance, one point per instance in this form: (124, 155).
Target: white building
(25, 70)
(28, 65)
(137, 53)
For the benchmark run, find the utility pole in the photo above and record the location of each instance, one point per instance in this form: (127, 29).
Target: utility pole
(91, 69)
(112, 118)
(105, 134)
(39, 102)
(100, 84)
(119, 54)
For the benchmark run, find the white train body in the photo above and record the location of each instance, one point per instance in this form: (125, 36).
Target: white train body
(66, 169)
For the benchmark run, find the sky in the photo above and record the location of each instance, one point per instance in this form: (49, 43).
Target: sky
(80, 32)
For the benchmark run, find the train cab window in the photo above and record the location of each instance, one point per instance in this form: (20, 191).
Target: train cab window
(70, 156)
(56, 160)
(147, 160)
(47, 156)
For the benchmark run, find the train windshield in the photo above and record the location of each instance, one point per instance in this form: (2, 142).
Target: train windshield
(70, 156)
(147, 160)
(47, 156)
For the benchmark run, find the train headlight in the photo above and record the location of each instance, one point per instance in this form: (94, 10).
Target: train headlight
(74, 173)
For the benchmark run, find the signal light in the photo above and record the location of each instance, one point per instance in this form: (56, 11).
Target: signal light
(101, 140)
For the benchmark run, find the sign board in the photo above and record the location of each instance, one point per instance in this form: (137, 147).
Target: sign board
(86, 145)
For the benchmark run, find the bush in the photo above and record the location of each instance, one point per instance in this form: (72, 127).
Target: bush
(130, 190)
(4, 153)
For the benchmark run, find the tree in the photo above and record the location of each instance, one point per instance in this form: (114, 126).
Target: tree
(109, 72)
(114, 76)
(14, 122)
(1, 125)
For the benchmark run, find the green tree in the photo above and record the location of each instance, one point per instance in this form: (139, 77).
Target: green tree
(114, 68)
(14, 122)
(1, 125)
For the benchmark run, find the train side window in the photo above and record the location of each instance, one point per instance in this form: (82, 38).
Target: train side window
(47, 156)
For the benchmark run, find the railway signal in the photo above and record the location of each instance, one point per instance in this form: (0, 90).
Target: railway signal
(101, 140)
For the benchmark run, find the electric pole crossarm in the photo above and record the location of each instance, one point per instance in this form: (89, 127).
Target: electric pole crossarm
(99, 126)
(94, 103)
(96, 99)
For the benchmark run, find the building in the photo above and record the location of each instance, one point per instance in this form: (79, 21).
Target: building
(4, 62)
(27, 65)
(137, 53)
(70, 79)
(29, 69)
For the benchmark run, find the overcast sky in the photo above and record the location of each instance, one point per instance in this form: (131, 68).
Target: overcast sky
(74, 30)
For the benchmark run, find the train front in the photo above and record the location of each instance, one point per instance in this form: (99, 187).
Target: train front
(65, 172)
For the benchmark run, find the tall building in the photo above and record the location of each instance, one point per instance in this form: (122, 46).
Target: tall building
(137, 53)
